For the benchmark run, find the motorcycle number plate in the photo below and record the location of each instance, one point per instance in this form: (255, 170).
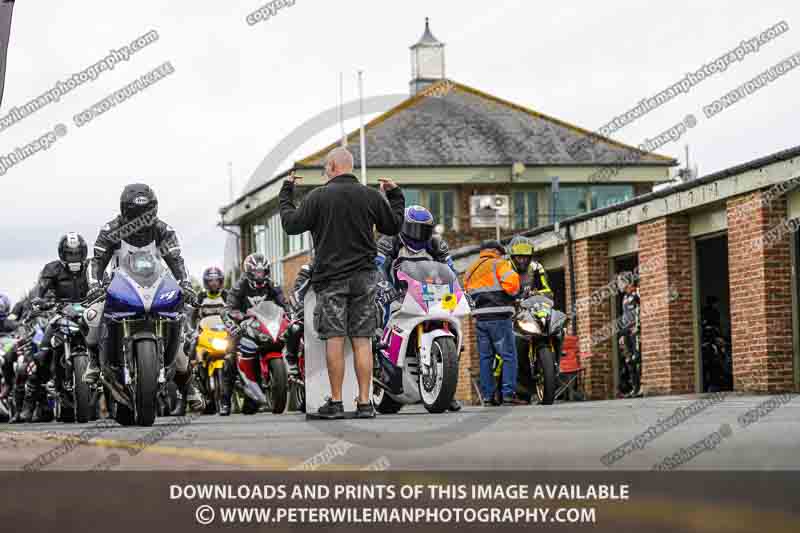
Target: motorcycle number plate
(434, 292)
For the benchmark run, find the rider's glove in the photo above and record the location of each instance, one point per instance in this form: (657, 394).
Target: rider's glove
(96, 290)
(189, 296)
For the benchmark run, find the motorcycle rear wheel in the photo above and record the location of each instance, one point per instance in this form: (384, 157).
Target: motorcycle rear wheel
(444, 357)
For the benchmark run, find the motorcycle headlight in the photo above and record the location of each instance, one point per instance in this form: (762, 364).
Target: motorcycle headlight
(219, 344)
(529, 326)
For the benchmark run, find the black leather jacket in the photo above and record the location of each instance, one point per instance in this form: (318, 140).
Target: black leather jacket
(243, 296)
(59, 282)
(301, 284)
(161, 233)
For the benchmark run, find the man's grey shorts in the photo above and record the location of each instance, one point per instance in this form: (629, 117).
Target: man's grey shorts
(346, 307)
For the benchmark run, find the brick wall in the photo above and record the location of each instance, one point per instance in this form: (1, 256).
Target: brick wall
(469, 365)
(593, 314)
(760, 292)
(665, 288)
(291, 267)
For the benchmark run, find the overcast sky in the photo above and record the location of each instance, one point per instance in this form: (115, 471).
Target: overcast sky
(238, 89)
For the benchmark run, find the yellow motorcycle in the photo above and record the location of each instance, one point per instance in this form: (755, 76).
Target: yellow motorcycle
(212, 343)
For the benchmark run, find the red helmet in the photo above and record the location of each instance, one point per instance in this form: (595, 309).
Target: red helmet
(256, 270)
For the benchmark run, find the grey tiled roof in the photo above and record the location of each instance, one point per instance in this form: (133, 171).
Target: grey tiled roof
(449, 124)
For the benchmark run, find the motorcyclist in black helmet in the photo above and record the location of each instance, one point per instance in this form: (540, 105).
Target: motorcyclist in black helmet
(137, 226)
(62, 281)
(254, 287)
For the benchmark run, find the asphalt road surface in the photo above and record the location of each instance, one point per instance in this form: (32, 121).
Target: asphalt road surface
(564, 436)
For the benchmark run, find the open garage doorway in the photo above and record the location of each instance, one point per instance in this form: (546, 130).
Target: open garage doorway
(712, 310)
(559, 285)
(626, 344)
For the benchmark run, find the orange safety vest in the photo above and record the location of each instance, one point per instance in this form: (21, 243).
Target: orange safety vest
(491, 282)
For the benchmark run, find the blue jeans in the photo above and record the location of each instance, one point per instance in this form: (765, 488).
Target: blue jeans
(497, 337)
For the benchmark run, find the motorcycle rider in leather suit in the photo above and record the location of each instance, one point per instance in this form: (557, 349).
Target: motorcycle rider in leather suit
(138, 226)
(415, 242)
(63, 281)
(254, 287)
(210, 301)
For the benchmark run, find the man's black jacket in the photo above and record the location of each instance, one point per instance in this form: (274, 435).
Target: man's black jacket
(166, 239)
(59, 281)
(341, 216)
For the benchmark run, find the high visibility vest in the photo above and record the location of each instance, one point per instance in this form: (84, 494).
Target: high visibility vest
(491, 282)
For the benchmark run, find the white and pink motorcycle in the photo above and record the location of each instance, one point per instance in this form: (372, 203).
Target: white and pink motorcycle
(417, 357)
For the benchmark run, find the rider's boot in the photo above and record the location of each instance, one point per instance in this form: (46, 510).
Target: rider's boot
(24, 408)
(35, 391)
(454, 406)
(92, 373)
(228, 370)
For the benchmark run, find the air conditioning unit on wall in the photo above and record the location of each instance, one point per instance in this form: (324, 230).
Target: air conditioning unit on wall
(489, 210)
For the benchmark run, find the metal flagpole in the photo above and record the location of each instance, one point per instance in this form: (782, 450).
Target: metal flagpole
(6, 8)
(341, 116)
(361, 120)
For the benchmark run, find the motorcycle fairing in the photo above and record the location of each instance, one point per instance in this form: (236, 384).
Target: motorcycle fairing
(141, 283)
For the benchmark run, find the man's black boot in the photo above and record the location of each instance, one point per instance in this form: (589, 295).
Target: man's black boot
(454, 406)
(24, 415)
(180, 407)
(92, 373)
(225, 405)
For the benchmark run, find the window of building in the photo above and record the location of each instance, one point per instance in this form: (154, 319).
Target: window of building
(442, 204)
(571, 201)
(525, 209)
(606, 195)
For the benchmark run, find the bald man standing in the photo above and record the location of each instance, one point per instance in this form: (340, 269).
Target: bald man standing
(341, 217)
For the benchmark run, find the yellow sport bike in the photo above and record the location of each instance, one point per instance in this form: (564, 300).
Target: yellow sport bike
(212, 344)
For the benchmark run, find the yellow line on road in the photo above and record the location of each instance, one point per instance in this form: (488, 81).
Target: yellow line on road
(210, 455)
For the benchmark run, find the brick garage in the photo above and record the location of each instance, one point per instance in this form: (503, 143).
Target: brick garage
(761, 299)
(665, 288)
(593, 314)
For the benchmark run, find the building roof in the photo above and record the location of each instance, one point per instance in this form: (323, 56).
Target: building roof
(450, 124)
(789, 154)
(427, 38)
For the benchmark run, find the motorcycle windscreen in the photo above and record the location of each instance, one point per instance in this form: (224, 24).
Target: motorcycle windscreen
(317, 385)
(270, 315)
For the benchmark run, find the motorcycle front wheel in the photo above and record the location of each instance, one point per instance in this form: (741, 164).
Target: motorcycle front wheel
(146, 382)
(277, 389)
(438, 388)
(544, 375)
(83, 394)
(384, 404)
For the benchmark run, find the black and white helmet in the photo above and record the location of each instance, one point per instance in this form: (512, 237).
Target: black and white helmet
(72, 251)
(257, 271)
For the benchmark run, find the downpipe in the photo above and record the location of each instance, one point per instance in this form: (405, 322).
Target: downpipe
(572, 290)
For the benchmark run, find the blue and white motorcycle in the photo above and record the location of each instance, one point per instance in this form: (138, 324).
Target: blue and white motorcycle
(143, 314)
